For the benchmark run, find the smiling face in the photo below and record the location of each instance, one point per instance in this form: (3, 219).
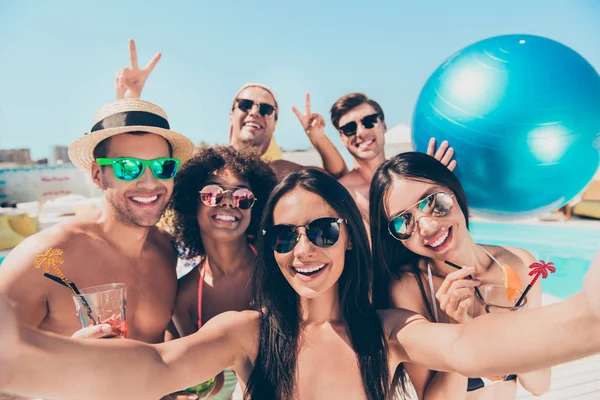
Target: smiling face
(366, 144)
(250, 128)
(140, 202)
(225, 222)
(309, 269)
(433, 237)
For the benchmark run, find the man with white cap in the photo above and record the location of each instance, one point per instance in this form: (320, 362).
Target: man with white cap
(132, 155)
(253, 119)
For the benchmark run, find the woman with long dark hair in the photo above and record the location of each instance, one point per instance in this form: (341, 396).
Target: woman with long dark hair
(420, 219)
(316, 334)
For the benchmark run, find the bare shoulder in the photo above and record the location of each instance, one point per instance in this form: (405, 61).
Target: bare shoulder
(396, 319)
(20, 273)
(525, 256)
(189, 282)
(247, 319)
(187, 290)
(65, 236)
(284, 167)
(405, 293)
(519, 259)
(242, 327)
(350, 180)
(163, 242)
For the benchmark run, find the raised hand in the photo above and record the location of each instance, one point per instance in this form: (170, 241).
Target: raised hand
(456, 295)
(443, 154)
(312, 123)
(130, 80)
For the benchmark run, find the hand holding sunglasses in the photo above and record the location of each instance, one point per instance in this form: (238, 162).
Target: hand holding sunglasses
(403, 225)
(246, 105)
(131, 169)
(368, 122)
(212, 195)
(322, 232)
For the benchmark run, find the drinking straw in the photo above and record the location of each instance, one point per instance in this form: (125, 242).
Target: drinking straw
(477, 291)
(48, 261)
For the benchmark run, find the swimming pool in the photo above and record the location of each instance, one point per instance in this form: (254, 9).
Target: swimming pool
(570, 248)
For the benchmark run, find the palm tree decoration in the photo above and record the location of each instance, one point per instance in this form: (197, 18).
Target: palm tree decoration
(538, 269)
(50, 261)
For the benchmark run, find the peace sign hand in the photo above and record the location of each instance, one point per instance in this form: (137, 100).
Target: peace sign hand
(130, 80)
(312, 123)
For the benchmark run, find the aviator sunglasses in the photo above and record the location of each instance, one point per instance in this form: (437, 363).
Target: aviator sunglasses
(212, 195)
(322, 232)
(246, 105)
(368, 122)
(130, 169)
(438, 204)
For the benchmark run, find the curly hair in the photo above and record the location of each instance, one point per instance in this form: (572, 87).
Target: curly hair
(191, 179)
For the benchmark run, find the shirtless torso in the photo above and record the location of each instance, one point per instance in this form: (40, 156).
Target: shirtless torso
(358, 187)
(91, 259)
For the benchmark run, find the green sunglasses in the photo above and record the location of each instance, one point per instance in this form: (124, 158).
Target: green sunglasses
(130, 169)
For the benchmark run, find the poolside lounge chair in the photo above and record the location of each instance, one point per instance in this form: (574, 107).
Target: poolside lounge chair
(589, 206)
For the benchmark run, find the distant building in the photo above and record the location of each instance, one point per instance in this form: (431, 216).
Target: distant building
(19, 156)
(60, 155)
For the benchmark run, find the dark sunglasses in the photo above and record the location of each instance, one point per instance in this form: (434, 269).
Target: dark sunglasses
(368, 122)
(322, 232)
(403, 225)
(130, 169)
(213, 195)
(246, 105)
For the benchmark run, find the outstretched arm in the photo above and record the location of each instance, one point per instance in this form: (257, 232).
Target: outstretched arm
(37, 364)
(503, 343)
(314, 126)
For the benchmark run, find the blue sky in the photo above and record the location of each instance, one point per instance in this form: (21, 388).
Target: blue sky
(58, 59)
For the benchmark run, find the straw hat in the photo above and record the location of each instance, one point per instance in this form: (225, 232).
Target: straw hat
(122, 116)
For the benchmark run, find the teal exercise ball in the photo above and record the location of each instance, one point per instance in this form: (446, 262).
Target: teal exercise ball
(523, 115)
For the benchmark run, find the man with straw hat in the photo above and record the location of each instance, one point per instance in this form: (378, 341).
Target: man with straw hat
(253, 119)
(132, 155)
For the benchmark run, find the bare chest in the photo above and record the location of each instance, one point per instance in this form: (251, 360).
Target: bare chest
(226, 294)
(151, 286)
(328, 369)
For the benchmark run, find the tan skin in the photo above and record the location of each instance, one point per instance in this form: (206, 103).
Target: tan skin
(251, 129)
(367, 150)
(454, 293)
(103, 247)
(229, 265)
(570, 330)
(139, 254)
(228, 269)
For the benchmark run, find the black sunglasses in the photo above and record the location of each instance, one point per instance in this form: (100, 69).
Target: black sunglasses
(368, 122)
(403, 225)
(322, 232)
(246, 105)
